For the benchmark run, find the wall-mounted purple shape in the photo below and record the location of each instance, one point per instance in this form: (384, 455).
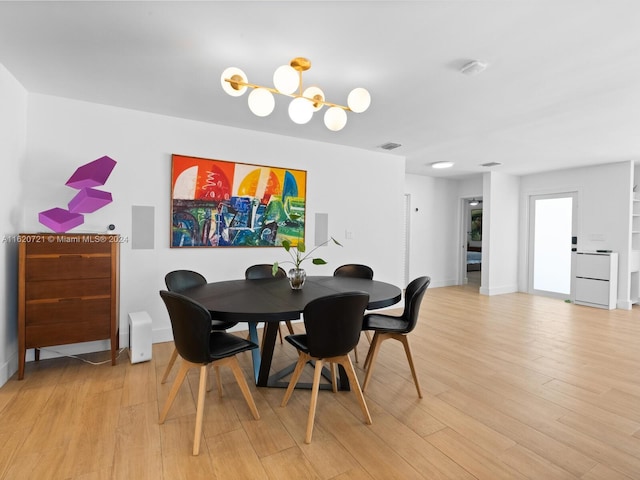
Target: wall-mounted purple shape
(92, 174)
(60, 220)
(89, 200)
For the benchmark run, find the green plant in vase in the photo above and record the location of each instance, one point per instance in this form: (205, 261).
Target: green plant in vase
(298, 254)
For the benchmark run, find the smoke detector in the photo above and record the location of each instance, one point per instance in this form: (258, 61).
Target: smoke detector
(473, 67)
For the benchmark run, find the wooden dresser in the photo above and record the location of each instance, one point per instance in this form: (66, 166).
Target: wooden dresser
(68, 291)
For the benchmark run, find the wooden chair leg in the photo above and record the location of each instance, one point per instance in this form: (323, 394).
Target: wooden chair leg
(367, 360)
(280, 333)
(184, 368)
(303, 358)
(216, 370)
(202, 389)
(334, 378)
(172, 360)
(407, 350)
(317, 373)
(368, 334)
(242, 383)
(290, 327)
(378, 338)
(355, 386)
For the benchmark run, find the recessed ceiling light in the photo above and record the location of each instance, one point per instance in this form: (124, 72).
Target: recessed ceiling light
(442, 165)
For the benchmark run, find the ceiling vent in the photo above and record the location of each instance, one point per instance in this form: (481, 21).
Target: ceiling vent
(390, 146)
(491, 164)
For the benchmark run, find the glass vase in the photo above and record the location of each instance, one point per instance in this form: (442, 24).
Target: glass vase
(296, 277)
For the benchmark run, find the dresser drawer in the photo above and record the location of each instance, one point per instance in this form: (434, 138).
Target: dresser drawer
(62, 267)
(48, 312)
(55, 289)
(66, 332)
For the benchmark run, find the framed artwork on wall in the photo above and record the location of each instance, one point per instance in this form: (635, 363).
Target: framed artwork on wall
(218, 203)
(476, 225)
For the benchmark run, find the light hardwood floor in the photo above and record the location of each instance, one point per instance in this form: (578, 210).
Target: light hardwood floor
(515, 387)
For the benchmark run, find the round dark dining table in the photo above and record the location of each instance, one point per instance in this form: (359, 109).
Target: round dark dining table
(272, 300)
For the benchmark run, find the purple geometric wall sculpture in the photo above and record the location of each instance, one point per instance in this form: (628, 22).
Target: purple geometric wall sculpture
(92, 174)
(88, 199)
(60, 220)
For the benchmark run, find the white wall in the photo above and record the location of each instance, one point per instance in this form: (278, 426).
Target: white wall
(500, 234)
(603, 213)
(434, 229)
(342, 182)
(13, 134)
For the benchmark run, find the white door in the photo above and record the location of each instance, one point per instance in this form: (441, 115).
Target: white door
(552, 227)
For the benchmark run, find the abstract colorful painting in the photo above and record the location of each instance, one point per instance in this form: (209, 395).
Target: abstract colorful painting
(217, 203)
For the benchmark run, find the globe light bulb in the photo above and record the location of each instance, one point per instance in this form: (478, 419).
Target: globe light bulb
(335, 118)
(236, 74)
(261, 102)
(317, 95)
(286, 79)
(300, 110)
(359, 100)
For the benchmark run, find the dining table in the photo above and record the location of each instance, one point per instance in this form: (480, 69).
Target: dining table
(272, 300)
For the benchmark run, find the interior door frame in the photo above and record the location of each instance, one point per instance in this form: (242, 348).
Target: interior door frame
(465, 210)
(531, 241)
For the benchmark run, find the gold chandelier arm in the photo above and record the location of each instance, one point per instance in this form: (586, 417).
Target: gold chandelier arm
(274, 90)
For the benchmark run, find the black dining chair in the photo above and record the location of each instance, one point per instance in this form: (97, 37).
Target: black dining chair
(355, 270)
(333, 324)
(200, 346)
(179, 281)
(398, 328)
(262, 271)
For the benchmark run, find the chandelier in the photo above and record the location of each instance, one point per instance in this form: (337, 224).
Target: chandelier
(287, 80)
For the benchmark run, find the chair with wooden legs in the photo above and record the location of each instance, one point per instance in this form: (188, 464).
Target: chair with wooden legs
(398, 328)
(355, 270)
(333, 324)
(178, 281)
(261, 271)
(199, 346)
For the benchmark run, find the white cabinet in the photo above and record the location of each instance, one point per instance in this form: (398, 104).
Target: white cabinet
(634, 267)
(596, 279)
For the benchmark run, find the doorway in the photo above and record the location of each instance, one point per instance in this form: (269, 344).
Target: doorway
(471, 258)
(552, 227)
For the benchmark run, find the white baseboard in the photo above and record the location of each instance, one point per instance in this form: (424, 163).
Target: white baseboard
(498, 290)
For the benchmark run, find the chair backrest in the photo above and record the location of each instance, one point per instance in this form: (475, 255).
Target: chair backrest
(191, 325)
(412, 299)
(354, 270)
(333, 323)
(180, 280)
(263, 270)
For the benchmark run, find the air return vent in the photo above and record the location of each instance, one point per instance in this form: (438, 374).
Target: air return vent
(389, 146)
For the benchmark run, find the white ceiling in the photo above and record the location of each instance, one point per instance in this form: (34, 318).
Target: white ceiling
(562, 88)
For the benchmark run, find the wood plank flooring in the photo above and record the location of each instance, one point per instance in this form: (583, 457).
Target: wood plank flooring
(515, 387)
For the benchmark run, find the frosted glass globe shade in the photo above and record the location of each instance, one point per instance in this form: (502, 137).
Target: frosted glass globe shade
(286, 79)
(226, 86)
(261, 102)
(300, 110)
(335, 118)
(314, 92)
(359, 100)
